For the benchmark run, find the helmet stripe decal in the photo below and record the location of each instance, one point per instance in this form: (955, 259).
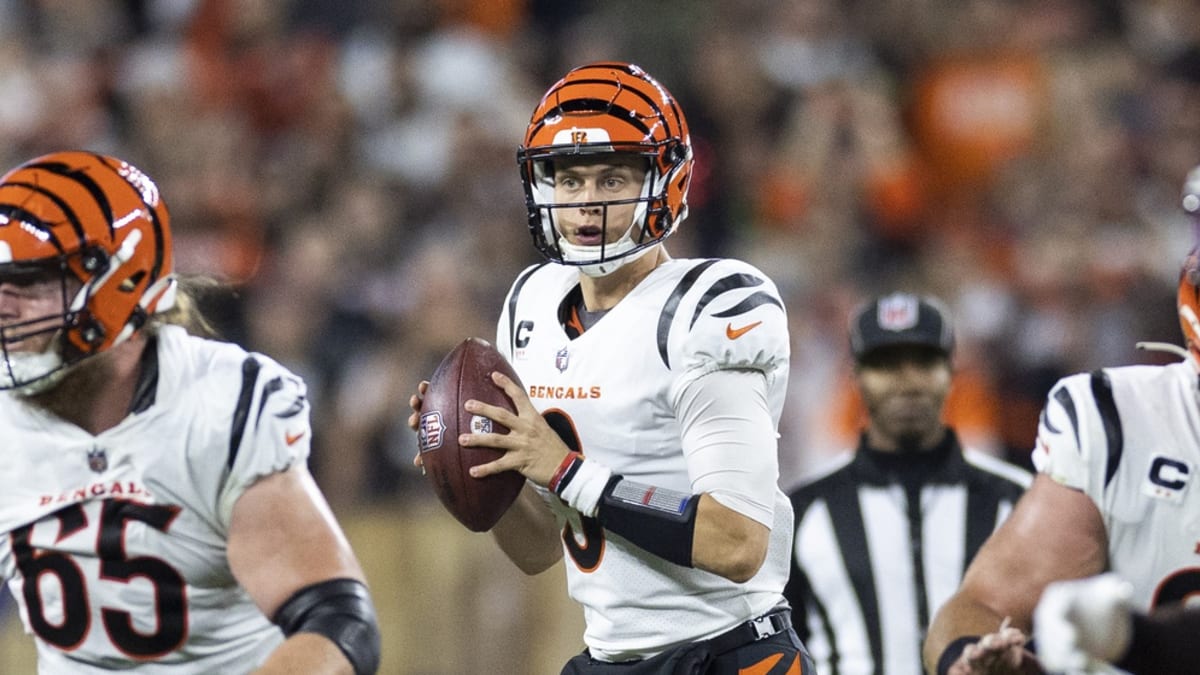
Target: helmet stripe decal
(16, 213)
(650, 100)
(597, 106)
(604, 82)
(603, 107)
(84, 181)
(102, 202)
(640, 78)
(156, 271)
(62, 205)
(152, 210)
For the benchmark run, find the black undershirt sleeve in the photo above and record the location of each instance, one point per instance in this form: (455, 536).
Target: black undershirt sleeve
(1165, 643)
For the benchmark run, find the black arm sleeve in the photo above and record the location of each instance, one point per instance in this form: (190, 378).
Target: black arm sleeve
(341, 610)
(662, 522)
(1164, 643)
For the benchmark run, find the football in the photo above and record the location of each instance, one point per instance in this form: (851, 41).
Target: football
(462, 375)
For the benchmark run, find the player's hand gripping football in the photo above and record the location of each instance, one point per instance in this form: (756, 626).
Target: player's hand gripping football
(531, 447)
(1000, 653)
(414, 420)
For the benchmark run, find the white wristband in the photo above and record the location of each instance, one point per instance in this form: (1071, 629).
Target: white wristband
(585, 488)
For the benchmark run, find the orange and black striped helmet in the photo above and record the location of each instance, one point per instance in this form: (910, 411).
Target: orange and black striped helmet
(608, 107)
(101, 226)
(1188, 298)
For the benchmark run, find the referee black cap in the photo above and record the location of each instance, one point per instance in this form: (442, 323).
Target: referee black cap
(901, 319)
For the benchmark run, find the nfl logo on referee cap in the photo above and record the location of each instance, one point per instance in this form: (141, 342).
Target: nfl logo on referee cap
(898, 312)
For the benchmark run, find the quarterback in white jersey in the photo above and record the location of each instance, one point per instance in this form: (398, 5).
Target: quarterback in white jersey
(646, 426)
(1117, 454)
(155, 508)
(617, 390)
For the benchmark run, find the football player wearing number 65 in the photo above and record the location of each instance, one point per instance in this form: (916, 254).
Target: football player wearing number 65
(156, 514)
(654, 387)
(1117, 454)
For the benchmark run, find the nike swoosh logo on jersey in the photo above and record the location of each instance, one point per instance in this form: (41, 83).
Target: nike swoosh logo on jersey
(291, 440)
(735, 333)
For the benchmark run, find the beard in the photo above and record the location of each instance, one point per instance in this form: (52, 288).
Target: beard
(72, 392)
(29, 373)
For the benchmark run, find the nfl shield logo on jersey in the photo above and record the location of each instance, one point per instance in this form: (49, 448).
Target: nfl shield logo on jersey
(97, 459)
(562, 359)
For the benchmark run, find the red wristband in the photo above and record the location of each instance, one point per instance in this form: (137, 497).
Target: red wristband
(565, 472)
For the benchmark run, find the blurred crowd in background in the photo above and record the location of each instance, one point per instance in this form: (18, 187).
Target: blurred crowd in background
(347, 168)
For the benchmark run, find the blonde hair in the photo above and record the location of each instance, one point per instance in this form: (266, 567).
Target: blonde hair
(186, 310)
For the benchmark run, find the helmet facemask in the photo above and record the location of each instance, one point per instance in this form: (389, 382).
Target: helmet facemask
(607, 256)
(31, 369)
(601, 112)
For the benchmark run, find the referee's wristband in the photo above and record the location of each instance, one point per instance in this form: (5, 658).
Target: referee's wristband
(954, 650)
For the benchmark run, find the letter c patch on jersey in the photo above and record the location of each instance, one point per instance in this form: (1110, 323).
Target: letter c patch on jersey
(521, 338)
(1167, 479)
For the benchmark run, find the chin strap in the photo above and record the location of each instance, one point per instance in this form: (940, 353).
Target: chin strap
(602, 269)
(1164, 347)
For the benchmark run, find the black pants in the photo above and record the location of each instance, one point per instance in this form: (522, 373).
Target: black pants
(783, 651)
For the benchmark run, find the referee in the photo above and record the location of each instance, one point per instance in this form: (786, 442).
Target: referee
(883, 538)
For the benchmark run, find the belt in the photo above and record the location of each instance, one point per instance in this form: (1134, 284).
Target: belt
(759, 628)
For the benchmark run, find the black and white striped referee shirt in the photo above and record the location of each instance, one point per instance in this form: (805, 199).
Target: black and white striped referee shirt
(882, 541)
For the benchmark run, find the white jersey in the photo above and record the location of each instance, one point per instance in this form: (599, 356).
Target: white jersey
(1129, 438)
(614, 389)
(115, 544)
